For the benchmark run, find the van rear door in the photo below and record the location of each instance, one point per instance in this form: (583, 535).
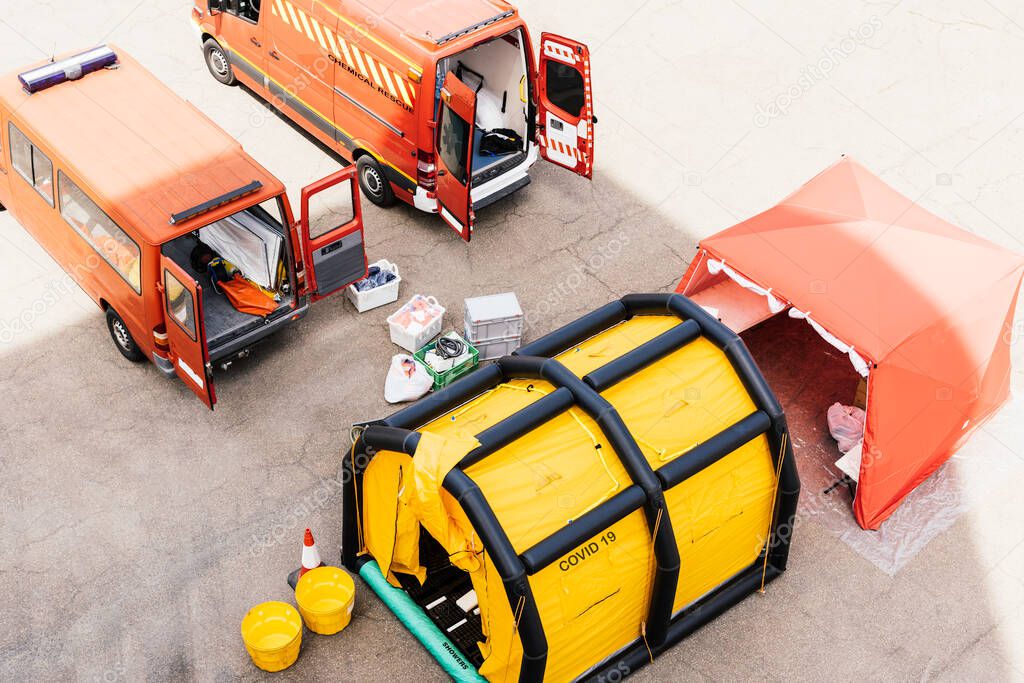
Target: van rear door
(454, 146)
(186, 333)
(566, 104)
(333, 249)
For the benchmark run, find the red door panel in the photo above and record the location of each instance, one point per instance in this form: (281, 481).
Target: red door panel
(333, 248)
(186, 333)
(566, 104)
(240, 28)
(455, 154)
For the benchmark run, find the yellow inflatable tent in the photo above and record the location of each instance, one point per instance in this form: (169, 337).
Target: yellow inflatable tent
(573, 510)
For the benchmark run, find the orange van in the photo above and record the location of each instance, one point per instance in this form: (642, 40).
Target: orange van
(441, 105)
(132, 191)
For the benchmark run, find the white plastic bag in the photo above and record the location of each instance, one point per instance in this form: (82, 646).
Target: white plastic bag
(407, 380)
(846, 424)
(488, 111)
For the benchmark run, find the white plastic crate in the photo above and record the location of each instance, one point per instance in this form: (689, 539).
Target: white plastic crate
(424, 322)
(378, 296)
(497, 316)
(497, 348)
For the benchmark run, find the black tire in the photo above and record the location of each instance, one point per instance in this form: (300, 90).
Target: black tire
(123, 338)
(373, 182)
(218, 63)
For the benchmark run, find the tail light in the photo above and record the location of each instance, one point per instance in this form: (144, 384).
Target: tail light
(426, 171)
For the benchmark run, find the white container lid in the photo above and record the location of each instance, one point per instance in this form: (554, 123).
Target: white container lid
(493, 307)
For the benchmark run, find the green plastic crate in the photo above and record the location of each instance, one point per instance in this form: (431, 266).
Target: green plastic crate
(445, 378)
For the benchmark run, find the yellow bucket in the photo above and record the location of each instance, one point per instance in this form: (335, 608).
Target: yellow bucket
(326, 596)
(272, 633)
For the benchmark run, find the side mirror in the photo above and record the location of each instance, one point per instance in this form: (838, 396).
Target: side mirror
(216, 6)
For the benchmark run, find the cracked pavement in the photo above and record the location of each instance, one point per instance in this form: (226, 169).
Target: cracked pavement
(138, 527)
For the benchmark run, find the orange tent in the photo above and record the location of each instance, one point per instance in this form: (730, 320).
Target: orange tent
(923, 309)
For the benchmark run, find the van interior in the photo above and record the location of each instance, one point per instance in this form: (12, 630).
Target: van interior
(496, 71)
(254, 242)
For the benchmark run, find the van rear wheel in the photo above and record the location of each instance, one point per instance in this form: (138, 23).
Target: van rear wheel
(123, 338)
(218, 63)
(372, 181)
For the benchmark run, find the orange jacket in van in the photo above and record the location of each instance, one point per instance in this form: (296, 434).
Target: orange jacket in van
(134, 192)
(442, 105)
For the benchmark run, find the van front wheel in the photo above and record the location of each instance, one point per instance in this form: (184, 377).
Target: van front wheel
(218, 63)
(372, 181)
(123, 338)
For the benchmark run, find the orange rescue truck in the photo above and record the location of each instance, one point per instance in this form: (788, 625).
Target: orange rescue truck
(120, 180)
(406, 90)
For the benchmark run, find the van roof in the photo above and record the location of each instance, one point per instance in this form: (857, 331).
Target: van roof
(422, 27)
(136, 146)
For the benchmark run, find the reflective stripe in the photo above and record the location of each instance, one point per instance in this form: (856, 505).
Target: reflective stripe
(387, 80)
(305, 24)
(319, 36)
(344, 48)
(279, 11)
(402, 92)
(293, 15)
(373, 70)
(411, 64)
(334, 46)
(360, 60)
(191, 374)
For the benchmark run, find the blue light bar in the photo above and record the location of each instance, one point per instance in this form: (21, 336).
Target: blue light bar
(69, 69)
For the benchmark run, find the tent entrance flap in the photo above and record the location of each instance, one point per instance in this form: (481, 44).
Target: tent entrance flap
(550, 499)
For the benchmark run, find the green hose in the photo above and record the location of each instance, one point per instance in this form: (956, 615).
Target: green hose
(419, 624)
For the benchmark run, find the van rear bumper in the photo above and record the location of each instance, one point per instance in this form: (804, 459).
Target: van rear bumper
(508, 182)
(485, 194)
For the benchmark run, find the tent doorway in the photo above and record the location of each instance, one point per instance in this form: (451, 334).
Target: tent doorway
(808, 375)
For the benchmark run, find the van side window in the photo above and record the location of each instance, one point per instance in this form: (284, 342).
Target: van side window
(565, 88)
(96, 227)
(180, 306)
(31, 164)
(246, 9)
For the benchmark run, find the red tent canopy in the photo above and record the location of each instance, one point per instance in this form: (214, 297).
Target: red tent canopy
(926, 305)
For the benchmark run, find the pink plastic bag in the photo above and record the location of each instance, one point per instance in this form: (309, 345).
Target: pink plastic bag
(846, 424)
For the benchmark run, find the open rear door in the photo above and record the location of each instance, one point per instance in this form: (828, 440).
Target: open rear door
(331, 231)
(566, 104)
(454, 155)
(186, 333)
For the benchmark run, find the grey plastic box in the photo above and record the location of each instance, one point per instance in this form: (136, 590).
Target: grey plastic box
(497, 348)
(494, 317)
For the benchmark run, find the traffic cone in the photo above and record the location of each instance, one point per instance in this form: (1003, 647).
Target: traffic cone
(310, 559)
(310, 554)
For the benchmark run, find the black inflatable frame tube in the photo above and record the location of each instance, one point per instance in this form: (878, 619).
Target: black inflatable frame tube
(562, 542)
(647, 353)
(666, 553)
(647, 492)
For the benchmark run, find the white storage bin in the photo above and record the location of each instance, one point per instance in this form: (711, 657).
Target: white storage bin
(378, 296)
(497, 348)
(497, 316)
(417, 322)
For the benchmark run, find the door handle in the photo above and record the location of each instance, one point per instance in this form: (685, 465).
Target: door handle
(442, 172)
(255, 42)
(274, 54)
